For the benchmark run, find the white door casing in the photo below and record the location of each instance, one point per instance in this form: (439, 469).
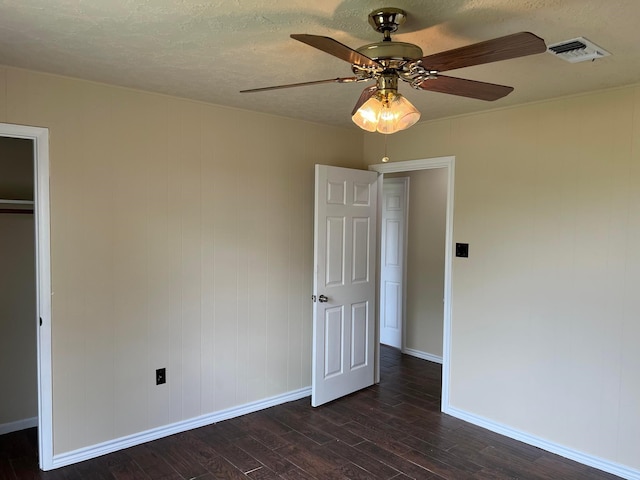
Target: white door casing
(344, 282)
(392, 253)
(425, 164)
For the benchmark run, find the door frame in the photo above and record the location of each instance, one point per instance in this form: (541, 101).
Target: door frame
(40, 138)
(447, 162)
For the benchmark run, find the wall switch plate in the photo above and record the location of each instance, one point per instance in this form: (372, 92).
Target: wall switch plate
(161, 376)
(462, 250)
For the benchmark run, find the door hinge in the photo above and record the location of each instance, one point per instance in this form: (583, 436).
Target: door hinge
(40, 321)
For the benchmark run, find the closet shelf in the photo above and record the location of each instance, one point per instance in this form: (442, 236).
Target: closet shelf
(16, 202)
(7, 204)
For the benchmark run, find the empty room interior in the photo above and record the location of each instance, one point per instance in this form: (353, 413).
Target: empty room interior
(191, 238)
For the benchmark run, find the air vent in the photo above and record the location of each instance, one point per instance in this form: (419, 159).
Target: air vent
(577, 50)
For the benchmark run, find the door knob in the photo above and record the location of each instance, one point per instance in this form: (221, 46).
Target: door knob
(323, 299)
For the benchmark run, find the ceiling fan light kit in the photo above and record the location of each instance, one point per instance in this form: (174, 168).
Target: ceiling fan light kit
(386, 111)
(381, 108)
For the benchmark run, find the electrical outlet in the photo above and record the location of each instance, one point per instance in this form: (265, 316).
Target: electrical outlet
(161, 376)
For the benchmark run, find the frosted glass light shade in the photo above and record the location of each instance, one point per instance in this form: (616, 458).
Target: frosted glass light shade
(386, 113)
(366, 117)
(404, 113)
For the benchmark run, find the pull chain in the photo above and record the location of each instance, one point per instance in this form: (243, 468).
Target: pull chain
(385, 159)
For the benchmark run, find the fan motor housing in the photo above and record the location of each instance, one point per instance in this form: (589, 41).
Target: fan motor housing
(391, 51)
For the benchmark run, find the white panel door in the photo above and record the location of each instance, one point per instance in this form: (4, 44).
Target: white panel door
(392, 245)
(344, 282)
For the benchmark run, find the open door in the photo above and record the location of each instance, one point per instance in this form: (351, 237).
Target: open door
(344, 282)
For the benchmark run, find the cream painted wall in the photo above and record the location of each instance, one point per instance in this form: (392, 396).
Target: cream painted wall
(545, 322)
(425, 259)
(18, 370)
(16, 168)
(18, 374)
(181, 237)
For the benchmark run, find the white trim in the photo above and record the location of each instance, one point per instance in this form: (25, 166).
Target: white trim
(423, 355)
(584, 458)
(111, 446)
(448, 282)
(18, 425)
(40, 137)
(449, 163)
(379, 200)
(412, 165)
(405, 250)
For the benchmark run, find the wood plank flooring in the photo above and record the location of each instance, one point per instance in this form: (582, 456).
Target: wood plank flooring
(390, 431)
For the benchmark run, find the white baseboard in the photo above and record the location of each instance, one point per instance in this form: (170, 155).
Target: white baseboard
(110, 446)
(590, 460)
(423, 355)
(18, 425)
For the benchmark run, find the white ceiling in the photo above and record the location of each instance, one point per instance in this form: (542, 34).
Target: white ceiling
(209, 50)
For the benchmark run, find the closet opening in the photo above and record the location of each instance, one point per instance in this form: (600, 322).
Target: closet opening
(18, 330)
(25, 288)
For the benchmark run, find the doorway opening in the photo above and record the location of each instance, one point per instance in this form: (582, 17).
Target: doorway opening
(412, 263)
(29, 217)
(447, 167)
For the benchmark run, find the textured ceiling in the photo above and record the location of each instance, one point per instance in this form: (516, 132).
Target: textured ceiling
(209, 50)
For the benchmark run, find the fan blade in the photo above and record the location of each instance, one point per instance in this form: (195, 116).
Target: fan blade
(502, 48)
(466, 88)
(302, 84)
(366, 94)
(335, 48)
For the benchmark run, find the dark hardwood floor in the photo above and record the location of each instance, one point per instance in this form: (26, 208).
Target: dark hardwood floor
(390, 431)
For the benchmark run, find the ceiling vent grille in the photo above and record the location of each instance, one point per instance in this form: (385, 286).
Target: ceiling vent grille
(577, 50)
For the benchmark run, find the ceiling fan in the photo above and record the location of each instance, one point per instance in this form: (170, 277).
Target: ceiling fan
(380, 107)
